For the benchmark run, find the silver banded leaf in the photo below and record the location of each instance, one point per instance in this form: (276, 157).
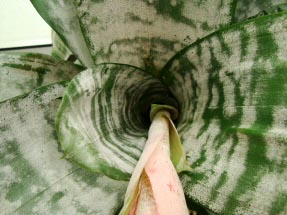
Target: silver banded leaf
(23, 72)
(232, 88)
(141, 33)
(249, 8)
(102, 121)
(34, 178)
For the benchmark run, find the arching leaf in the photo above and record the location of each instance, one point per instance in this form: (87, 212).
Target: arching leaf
(22, 72)
(140, 33)
(231, 88)
(34, 177)
(231, 93)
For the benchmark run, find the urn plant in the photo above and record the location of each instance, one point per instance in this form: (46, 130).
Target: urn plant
(200, 86)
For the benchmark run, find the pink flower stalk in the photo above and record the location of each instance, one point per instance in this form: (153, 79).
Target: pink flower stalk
(154, 187)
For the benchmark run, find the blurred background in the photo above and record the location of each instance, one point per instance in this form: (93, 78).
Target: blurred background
(22, 28)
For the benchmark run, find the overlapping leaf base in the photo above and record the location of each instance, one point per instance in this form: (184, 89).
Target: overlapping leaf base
(23, 72)
(60, 50)
(231, 95)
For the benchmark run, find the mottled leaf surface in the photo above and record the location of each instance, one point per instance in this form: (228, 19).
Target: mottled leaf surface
(231, 88)
(22, 72)
(249, 8)
(103, 120)
(34, 176)
(142, 33)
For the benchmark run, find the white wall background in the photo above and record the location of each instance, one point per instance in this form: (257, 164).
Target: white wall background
(20, 25)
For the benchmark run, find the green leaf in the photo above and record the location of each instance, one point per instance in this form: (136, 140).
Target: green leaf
(231, 89)
(62, 17)
(102, 121)
(140, 33)
(249, 8)
(60, 50)
(271, 10)
(22, 72)
(34, 178)
(154, 181)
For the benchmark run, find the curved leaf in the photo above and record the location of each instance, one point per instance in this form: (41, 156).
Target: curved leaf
(154, 187)
(22, 72)
(101, 122)
(231, 88)
(34, 178)
(62, 16)
(140, 33)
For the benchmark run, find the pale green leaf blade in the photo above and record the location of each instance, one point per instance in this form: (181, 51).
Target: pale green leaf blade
(60, 50)
(34, 177)
(249, 8)
(231, 88)
(271, 10)
(140, 33)
(103, 120)
(23, 72)
(62, 16)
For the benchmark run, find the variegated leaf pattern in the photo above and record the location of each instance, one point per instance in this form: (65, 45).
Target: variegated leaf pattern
(22, 72)
(249, 8)
(103, 120)
(34, 177)
(231, 88)
(62, 16)
(143, 33)
(271, 10)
